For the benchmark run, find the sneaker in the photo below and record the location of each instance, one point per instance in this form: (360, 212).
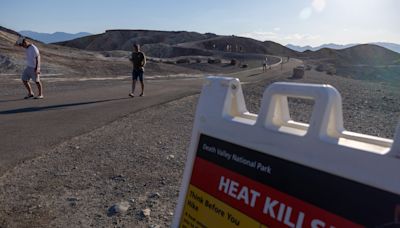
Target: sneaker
(39, 97)
(131, 95)
(28, 96)
(141, 95)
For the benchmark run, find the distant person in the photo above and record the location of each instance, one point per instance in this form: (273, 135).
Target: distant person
(138, 60)
(264, 65)
(32, 70)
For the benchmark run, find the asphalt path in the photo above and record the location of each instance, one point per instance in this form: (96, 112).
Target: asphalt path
(29, 127)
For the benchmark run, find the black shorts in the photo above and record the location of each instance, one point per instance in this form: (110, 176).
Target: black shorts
(137, 74)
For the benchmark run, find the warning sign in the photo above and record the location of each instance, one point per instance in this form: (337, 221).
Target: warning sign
(267, 170)
(233, 186)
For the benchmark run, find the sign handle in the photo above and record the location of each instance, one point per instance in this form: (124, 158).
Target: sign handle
(326, 119)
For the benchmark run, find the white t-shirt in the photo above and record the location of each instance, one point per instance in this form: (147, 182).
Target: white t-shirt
(31, 53)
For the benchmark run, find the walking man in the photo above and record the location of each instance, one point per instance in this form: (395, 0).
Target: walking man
(138, 60)
(32, 70)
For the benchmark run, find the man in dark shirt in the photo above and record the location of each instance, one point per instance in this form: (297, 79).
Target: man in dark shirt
(138, 60)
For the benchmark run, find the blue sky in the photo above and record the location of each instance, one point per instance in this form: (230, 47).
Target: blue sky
(298, 22)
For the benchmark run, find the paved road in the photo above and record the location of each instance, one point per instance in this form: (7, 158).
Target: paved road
(29, 127)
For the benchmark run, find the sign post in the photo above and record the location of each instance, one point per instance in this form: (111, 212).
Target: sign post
(245, 170)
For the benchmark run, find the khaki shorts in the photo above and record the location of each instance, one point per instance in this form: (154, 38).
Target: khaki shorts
(29, 73)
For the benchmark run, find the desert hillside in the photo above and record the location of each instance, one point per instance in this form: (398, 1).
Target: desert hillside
(164, 44)
(76, 61)
(363, 62)
(367, 54)
(56, 59)
(190, 52)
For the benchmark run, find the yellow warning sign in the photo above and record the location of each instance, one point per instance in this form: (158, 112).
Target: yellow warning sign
(203, 210)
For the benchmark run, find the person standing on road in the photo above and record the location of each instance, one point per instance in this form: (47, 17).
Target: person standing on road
(264, 64)
(32, 70)
(138, 60)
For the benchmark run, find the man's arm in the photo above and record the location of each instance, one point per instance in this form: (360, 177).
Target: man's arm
(144, 60)
(37, 67)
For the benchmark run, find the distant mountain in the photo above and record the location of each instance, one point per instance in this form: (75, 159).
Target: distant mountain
(53, 37)
(363, 54)
(364, 62)
(300, 48)
(391, 46)
(331, 46)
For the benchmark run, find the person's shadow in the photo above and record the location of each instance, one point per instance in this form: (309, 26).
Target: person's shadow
(18, 99)
(53, 107)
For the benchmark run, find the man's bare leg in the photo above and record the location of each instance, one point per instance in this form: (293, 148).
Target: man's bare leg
(133, 88)
(142, 85)
(40, 88)
(28, 87)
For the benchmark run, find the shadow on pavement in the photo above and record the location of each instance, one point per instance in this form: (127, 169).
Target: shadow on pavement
(19, 99)
(255, 74)
(52, 107)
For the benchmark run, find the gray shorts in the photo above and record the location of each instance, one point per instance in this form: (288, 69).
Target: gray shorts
(29, 73)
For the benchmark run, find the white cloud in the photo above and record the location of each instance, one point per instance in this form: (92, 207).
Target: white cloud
(261, 35)
(296, 38)
(305, 13)
(319, 5)
(302, 37)
(277, 29)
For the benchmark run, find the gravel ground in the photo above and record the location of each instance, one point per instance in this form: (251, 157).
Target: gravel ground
(137, 161)
(369, 108)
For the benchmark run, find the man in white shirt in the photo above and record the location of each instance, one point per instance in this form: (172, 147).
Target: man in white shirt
(32, 70)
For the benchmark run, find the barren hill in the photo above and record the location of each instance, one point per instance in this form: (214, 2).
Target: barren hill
(369, 54)
(237, 44)
(364, 54)
(124, 39)
(56, 59)
(366, 62)
(165, 44)
(155, 43)
(62, 60)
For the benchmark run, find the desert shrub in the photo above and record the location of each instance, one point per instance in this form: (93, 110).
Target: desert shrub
(214, 61)
(182, 61)
(331, 70)
(106, 54)
(169, 62)
(320, 68)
